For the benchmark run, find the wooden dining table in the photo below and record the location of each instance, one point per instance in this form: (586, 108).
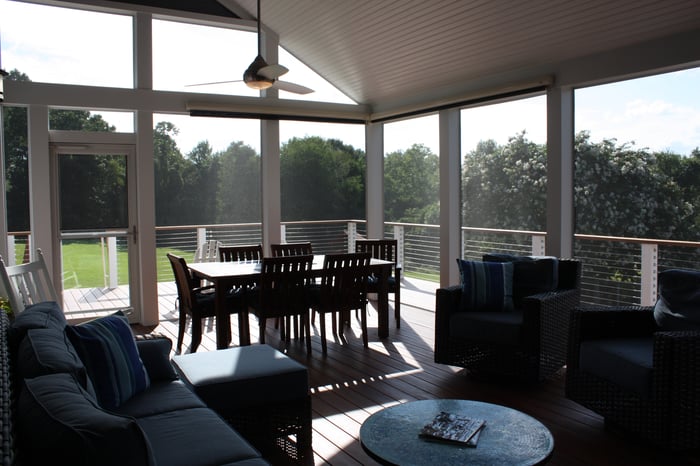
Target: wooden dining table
(226, 275)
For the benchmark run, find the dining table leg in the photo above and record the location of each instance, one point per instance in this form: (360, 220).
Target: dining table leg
(383, 301)
(223, 318)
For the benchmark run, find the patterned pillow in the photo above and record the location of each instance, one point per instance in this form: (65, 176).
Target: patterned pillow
(108, 350)
(486, 286)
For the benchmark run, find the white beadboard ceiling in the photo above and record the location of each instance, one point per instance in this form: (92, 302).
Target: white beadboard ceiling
(388, 52)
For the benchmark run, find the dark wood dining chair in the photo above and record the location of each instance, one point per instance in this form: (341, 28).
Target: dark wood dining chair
(282, 293)
(198, 302)
(291, 249)
(384, 249)
(343, 288)
(248, 252)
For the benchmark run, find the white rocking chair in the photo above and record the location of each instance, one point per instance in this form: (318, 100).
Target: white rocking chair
(27, 284)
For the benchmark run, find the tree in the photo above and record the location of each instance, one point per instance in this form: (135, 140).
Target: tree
(238, 195)
(622, 191)
(321, 179)
(169, 167)
(505, 186)
(411, 187)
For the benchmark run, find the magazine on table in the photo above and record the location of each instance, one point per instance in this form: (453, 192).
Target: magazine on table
(452, 428)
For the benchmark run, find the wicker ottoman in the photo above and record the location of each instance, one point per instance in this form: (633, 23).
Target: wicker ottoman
(261, 392)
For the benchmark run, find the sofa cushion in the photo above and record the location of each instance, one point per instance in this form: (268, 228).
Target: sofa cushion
(61, 424)
(40, 315)
(194, 436)
(531, 274)
(486, 286)
(493, 327)
(155, 354)
(160, 397)
(48, 351)
(108, 350)
(678, 306)
(627, 362)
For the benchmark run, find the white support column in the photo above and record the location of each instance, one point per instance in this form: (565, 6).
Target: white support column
(146, 267)
(650, 256)
(271, 192)
(113, 273)
(270, 154)
(41, 223)
(145, 228)
(399, 235)
(450, 196)
(560, 172)
(374, 187)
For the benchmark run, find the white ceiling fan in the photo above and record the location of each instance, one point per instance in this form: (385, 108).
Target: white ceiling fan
(260, 75)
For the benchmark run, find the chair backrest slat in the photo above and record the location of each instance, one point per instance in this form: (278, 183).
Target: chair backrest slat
(249, 252)
(291, 249)
(344, 281)
(283, 284)
(28, 283)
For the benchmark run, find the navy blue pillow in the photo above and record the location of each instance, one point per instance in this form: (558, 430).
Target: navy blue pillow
(531, 274)
(486, 286)
(108, 350)
(678, 307)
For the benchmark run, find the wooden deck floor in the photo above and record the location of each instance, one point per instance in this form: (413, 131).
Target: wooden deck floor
(351, 382)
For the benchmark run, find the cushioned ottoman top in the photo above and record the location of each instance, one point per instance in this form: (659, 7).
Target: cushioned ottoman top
(243, 377)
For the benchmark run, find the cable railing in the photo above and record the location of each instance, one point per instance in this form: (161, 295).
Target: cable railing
(616, 270)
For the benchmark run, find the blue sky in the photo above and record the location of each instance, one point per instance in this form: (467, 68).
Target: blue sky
(660, 112)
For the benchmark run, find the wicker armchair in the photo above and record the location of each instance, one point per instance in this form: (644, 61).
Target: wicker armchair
(660, 400)
(528, 343)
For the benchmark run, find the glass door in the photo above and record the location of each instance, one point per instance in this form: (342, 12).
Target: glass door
(93, 208)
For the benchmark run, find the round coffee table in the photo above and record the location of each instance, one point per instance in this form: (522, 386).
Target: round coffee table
(509, 437)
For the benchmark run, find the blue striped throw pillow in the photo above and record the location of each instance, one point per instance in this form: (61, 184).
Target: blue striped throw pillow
(486, 286)
(107, 348)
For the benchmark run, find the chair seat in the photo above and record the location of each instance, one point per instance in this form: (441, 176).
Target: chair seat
(627, 362)
(205, 299)
(496, 327)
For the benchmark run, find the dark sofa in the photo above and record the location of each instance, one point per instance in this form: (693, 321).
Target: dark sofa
(53, 411)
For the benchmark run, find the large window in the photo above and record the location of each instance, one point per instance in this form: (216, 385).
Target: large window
(637, 173)
(61, 45)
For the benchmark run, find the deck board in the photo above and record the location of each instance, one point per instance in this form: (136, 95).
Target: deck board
(351, 382)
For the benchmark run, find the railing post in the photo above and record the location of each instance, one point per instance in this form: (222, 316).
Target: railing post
(538, 245)
(283, 233)
(352, 236)
(650, 254)
(399, 237)
(10, 259)
(201, 236)
(112, 255)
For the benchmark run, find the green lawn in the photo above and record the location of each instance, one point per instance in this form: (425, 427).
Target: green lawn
(83, 264)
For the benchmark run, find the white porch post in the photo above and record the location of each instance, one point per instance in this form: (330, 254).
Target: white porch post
(40, 220)
(650, 255)
(450, 196)
(271, 192)
(374, 188)
(146, 268)
(560, 172)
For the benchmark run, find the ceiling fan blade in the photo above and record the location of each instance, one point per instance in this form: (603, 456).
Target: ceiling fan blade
(292, 87)
(211, 83)
(272, 71)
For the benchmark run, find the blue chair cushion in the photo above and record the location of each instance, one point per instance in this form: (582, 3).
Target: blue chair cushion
(108, 349)
(627, 362)
(678, 306)
(486, 286)
(531, 274)
(492, 327)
